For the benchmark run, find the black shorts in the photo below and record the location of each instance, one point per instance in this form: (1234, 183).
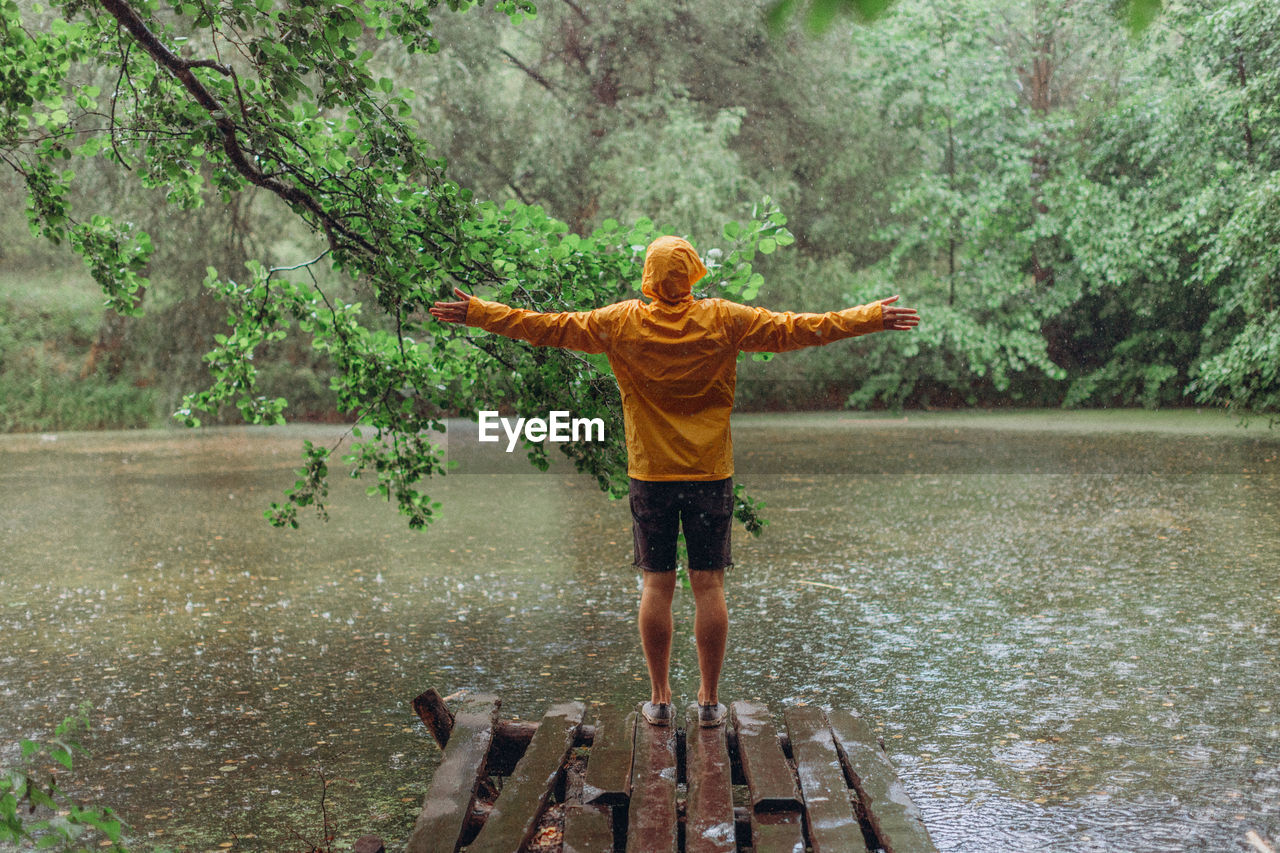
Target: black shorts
(703, 509)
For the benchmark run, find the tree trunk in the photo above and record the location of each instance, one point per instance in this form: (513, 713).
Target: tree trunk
(1040, 94)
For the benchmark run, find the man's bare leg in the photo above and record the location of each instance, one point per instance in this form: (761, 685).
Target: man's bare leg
(710, 629)
(655, 631)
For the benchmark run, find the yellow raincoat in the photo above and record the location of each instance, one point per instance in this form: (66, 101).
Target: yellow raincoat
(675, 357)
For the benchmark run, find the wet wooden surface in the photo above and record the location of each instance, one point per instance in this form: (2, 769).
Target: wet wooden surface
(524, 796)
(608, 779)
(833, 824)
(771, 782)
(897, 821)
(777, 832)
(447, 805)
(709, 810)
(588, 829)
(613, 786)
(651, 826)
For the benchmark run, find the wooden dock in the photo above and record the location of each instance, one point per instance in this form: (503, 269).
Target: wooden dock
(601, 782)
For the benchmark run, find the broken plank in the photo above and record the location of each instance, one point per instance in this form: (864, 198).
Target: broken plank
(588, 829)
(453, 787)
(435, 715)
(608, 778)
(651, 825)
(524, 796)
(833, 826)
(896, 820)
(769, 778)
(510, 737)
(709, 819)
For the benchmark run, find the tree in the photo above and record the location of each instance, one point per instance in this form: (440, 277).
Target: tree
(975, 94)
(1171, 219)
(594, 112)
(284, 98)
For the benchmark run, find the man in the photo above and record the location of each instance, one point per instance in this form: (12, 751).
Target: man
(675, 360)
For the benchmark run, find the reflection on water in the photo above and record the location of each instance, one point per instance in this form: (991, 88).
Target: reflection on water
(1067, 628)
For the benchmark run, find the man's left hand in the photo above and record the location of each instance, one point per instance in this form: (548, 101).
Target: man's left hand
(898, 319)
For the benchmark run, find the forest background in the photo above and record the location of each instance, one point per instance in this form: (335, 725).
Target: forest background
(1085, 214)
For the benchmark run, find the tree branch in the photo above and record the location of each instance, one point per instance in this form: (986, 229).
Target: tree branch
(537, 78)
(181, 69)
(317, 259)
(124, 64)
(575, 7)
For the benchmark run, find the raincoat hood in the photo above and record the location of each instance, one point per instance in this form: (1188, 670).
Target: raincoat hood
(671, 269)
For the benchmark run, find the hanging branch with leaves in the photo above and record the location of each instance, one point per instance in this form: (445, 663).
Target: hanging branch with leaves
(211, 99)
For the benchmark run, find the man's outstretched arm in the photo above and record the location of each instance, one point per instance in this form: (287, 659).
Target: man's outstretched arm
(568, 329)
(762, 330)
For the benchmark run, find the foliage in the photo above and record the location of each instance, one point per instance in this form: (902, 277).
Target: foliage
(34, 810)
(277, 102)
(973, 228)
(818, 15)
(41, 353)
(1246, 371)
(620, 109)
(1170, 221)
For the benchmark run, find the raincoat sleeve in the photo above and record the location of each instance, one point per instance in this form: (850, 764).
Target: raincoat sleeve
(576, 330)
(762, 330)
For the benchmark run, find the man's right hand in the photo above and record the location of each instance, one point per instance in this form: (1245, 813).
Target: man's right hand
(452, 312)
(898, 319)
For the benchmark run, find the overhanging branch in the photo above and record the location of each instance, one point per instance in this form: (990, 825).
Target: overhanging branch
(181, 69)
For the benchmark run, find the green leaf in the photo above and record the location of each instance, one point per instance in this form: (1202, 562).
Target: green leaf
(40, 798)
(62, 756)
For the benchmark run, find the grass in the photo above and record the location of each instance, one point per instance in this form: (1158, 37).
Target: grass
(48, 322)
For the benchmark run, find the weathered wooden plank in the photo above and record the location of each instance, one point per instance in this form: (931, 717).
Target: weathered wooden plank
(524, 796)
(651, 825)
(777, 832)
(453, 788)
(608, 779)
(708, 826)
(435, 715)
(833, 825)
(588, 829)
(897, 821)
(769, 777)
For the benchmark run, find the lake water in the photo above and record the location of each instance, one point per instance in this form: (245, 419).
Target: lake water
(1066, 627)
